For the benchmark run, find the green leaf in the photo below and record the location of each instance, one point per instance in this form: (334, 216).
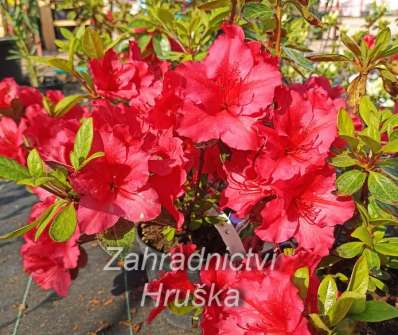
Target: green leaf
(92, 44)
(371, 140)
(253, 11)
(211, 5)
(11, 170)
(351, 44)
(350, 182)
(345, 124)
(376, 311)
(390, 52)
(359, 283)
(372, 258)
(369, 113)
(161, 45)
(35, 164)
(122, 234)
(382, 187)
(327, 294)
(64, 225)
(44, 220)
(391, 147)
(362, 234)
(298, 58)
(328, 58)
(83, 143)
(363, 213)
(301, 280)
(350, 249)
(342, 306)
(318, 323)
(375, 283)
(382, 222)
(344, 160)
(59, 63)
(18, 232)
(359, 280)
(383, 39)
(169, 233)
(95, 155)
(387, 246)
(66, 104)
(308, 15)
(180, 310)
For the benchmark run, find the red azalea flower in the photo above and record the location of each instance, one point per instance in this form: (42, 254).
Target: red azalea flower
(115, 186)
(307, 209)
(134, 80)
(304, 127)
(262, 309)
(53, 137)
(225, 94)
(11, 139)
(8, 92)
(246, 187)
(370, 40)
(50, 263)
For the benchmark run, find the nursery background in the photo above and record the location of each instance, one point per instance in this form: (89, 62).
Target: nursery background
(63, 63)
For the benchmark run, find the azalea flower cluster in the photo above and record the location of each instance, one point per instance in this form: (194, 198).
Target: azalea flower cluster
(229, 116)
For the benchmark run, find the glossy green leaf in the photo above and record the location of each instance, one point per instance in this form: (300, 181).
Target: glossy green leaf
(391, 147)
(161, 45)
(342, 306)
(46, 218)
(328, 58)
(83, 143)
(64, 225)
(319, 324)
(387, 246)
(362, 234)
(345, 123)
(18, 232)
(301, 279)
(382, 187)
(351, 44)
(11, 170)
(66, 104)
(350, 182)
(359, 280)
(350, 249)
(372, 258)
(92, 44)
(344, 160)
(369, 113)
(359, 283)
(35, 164)
(376, 311)
(327, 294)
(59, 63)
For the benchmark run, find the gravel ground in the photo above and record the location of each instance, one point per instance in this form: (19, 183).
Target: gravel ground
(96, 303)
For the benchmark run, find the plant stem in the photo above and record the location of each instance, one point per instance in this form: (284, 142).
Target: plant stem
(278, 27)
(22, 307)
(233, 11)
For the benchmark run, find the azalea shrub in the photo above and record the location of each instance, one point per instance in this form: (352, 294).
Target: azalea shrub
(178, 134)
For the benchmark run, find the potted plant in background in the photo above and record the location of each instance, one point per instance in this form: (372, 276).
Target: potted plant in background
(21, 22)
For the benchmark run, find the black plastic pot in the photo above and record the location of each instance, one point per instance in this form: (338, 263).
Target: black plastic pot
(10, 67)
(153, 270)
